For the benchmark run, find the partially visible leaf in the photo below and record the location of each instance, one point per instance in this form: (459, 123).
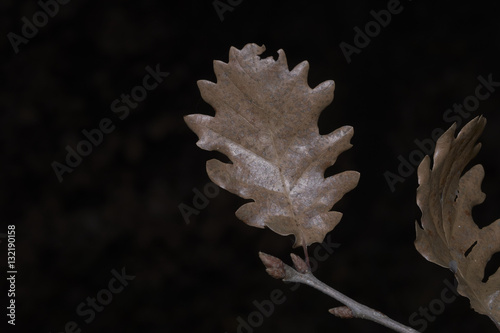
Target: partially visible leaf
(266, 123)
(449, 237)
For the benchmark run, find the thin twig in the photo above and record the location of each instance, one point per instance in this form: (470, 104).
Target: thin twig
(358, 310)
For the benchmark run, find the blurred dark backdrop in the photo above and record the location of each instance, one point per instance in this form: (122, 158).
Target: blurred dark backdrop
(118, 209)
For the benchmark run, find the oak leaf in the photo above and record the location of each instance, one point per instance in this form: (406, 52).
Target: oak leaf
(449, 236)
(266, 123)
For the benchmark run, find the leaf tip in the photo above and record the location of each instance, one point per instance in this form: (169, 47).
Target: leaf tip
(282, 59)
(356, 175)
(322, 95)
(190, 120)
(301, 70)
(204, 84)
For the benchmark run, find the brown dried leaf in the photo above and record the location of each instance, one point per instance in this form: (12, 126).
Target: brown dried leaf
(266, 123)
(449, 232)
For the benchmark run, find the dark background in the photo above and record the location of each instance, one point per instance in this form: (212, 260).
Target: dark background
(119, 207)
